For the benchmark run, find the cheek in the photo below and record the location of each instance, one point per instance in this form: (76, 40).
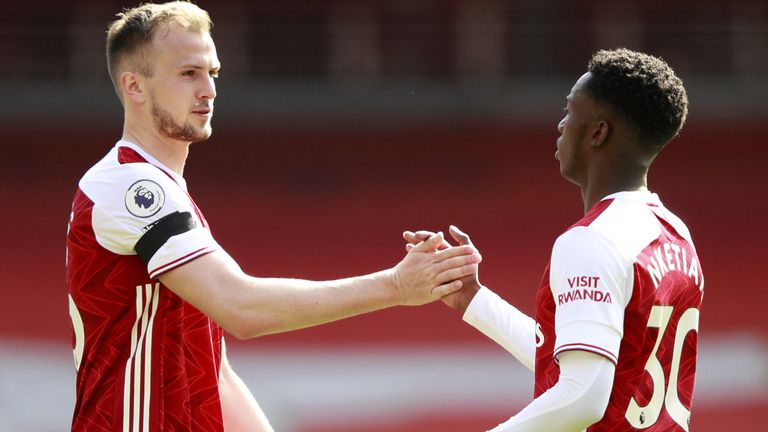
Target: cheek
(171, 93)
(172, 106)
(574, 130)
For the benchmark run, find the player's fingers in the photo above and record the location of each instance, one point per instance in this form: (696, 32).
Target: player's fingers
(418, 236)
(410, 237)
(458, 262)
(443, 290)
(455, 251)
(459, 235)
(431, 244)
(411, 240)
(422, 235)
(456, 273)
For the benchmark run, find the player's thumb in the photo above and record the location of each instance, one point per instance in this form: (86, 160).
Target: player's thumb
(460, 236)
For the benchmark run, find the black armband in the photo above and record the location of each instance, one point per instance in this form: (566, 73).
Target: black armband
(159, 232)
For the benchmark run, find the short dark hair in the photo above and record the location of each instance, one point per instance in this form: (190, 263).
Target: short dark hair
(644, 90)
(131, 34)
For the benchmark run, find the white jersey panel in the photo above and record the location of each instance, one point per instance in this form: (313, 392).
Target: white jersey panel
(629, 223)
(128, 198)
(592, 274)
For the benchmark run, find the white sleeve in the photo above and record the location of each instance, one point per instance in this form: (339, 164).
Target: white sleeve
(591, 286)
(504, 324)
(578, 400)
(133, 200)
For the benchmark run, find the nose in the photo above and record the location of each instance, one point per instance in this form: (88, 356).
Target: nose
(209, 90)
(561, 125)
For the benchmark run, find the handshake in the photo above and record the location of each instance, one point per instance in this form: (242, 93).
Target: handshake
(434, 269)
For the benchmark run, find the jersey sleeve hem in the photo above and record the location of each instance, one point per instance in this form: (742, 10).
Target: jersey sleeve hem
(181, 249)
(154, 274)
(588, 336)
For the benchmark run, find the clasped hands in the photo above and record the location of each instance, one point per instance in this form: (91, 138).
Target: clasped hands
(450, 272)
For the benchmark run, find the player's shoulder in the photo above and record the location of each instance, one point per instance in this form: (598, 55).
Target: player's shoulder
(121, 170)
(675, 222)
(122, 161)
(624, 222)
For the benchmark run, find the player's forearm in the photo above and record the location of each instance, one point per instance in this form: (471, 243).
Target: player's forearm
(504, 324)
(276, 305)
(423, 275)
(247, 306)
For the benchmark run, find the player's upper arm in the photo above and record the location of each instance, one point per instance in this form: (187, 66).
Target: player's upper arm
(591, 285)
(215, 285)
(579, 398)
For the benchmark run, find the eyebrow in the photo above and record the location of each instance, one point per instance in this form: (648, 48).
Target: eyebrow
(198, 67)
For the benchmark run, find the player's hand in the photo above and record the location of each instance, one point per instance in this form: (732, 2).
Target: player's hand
(431, 271)
(414, 238)
(459, 299)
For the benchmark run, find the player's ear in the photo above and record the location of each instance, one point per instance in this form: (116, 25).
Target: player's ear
(133, 87)
(600, 133)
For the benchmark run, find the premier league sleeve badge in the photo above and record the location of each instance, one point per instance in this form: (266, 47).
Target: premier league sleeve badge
(144, 198)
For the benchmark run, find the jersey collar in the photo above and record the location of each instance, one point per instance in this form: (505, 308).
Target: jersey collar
(640, 196)
(149, 158)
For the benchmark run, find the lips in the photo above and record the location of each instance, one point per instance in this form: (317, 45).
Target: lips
(202, 108)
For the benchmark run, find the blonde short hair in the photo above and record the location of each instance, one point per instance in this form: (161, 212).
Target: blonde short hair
(129, 37)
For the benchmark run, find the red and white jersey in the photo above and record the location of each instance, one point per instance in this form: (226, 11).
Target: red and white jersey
(146, 360)
(625, 282)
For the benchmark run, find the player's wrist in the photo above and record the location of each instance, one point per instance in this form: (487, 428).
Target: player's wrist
(393, 287)
(470, 290)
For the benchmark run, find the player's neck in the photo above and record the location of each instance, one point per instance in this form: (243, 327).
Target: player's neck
(593, 192)
(171, 153)
(611, 172)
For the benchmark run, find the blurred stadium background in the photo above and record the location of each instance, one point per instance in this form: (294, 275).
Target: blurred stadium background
(341, 123)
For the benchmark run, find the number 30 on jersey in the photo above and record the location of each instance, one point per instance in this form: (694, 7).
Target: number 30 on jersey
(664, 393)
